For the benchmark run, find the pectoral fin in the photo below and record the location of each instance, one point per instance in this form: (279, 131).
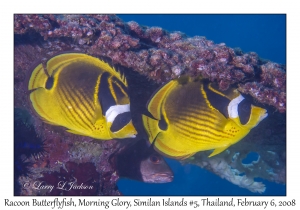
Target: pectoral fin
(38, 78)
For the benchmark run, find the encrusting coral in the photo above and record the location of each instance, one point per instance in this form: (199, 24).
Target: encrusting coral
(156, 53)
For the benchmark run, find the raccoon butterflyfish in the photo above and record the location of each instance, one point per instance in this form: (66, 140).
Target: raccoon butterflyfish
(190, 115)
(84, 94)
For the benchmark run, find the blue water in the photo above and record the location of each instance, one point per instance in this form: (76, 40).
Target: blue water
(263, 34)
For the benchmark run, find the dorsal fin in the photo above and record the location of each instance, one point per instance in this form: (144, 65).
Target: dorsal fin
(119, 70)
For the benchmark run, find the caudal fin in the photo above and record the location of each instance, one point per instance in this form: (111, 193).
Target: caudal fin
(154, 105)
(38, 78)
(151, 126)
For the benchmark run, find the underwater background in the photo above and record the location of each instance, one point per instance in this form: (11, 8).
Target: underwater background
(53, 153)
(263, 34)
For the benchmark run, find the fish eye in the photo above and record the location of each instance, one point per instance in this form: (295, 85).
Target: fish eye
(120, 121)
(155, 159)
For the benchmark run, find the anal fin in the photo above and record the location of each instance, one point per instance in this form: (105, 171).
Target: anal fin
(186, 157)
(76, 132)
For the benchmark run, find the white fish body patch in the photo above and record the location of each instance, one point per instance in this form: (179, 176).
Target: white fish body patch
(233, 107)
(115, 110)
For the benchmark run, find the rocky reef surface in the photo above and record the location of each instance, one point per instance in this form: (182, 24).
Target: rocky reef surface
(154, 52)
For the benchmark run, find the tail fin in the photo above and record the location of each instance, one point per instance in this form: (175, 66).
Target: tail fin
(154, 105)
(38, 78)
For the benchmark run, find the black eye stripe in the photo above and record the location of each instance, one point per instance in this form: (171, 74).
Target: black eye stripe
(244, 110)
(216, 100)
(120, 121)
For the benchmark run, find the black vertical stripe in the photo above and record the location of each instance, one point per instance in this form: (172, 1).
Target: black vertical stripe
(120, 121)
(104, 95)
(244, 110)
(216, 100)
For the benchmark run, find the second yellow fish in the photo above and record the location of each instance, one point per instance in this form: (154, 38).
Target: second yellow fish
(190, 115)
(84, 94)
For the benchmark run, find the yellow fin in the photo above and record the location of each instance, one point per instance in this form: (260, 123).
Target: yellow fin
(164, 146)
(154, 105)
(51, 123)
(218, 151)
(38, 78)
(190, 156)
(42, 105)
(151, 126)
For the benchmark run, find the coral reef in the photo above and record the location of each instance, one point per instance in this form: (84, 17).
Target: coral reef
(54, 156)
(156, 53)
(27, 146)
(26, 141)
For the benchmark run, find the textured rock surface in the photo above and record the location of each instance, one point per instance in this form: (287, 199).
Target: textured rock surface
(154, 52)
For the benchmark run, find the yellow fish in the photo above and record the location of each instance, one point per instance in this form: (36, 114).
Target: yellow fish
(190, 115)
(84, 94)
